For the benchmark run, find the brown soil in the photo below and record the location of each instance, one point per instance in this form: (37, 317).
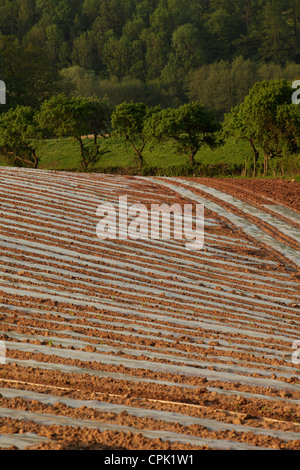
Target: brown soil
(147, 326)
(279, 191)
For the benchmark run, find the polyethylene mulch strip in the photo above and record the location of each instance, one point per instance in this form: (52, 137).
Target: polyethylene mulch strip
(80, 299)
(152, 334)
(184, 420)
(48, 420)
(251, 229)
(155, 354)
(189, 371)
(149, 313)
(21, 441)
(285, 228)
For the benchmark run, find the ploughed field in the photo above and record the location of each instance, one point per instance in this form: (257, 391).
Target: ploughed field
(142, 344)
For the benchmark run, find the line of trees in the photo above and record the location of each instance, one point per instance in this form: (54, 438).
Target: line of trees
(22, 129)
(266, 118)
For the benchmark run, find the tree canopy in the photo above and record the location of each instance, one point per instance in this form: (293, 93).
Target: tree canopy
(191, 126)
(20, 135)
(156, 42)
(268, 119)
(76, 117)
(129, 121)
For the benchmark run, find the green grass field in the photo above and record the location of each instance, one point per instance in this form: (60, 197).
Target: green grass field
(160, 158)
(63, 154)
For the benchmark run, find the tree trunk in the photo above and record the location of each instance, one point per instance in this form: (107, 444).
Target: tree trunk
(32, 163)
(246, 165)
(266, 163)
(141, 160)
(36, 163)
(35, 159)
(192, 158)
(138, 151)
(81, 147)
(83, 162)
(255, 157)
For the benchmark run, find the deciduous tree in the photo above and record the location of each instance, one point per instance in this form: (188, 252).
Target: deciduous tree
(191, 126)
(128, 121)
(20, 136)
(268, 119)
(77, 117)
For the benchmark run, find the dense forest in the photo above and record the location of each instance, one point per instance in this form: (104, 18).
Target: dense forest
(165, 52)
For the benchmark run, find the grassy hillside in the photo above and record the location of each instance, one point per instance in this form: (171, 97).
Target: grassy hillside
(161, 158)
(63, 154)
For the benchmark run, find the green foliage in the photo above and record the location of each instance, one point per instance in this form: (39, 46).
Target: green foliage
(191, 126)
(268, 120)
(170, 53)
(288, 128)
(161, 159)
(20, 135)
(129, 120)
(76, 117)
(26, 71)
(223, 85)
(146, 40)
